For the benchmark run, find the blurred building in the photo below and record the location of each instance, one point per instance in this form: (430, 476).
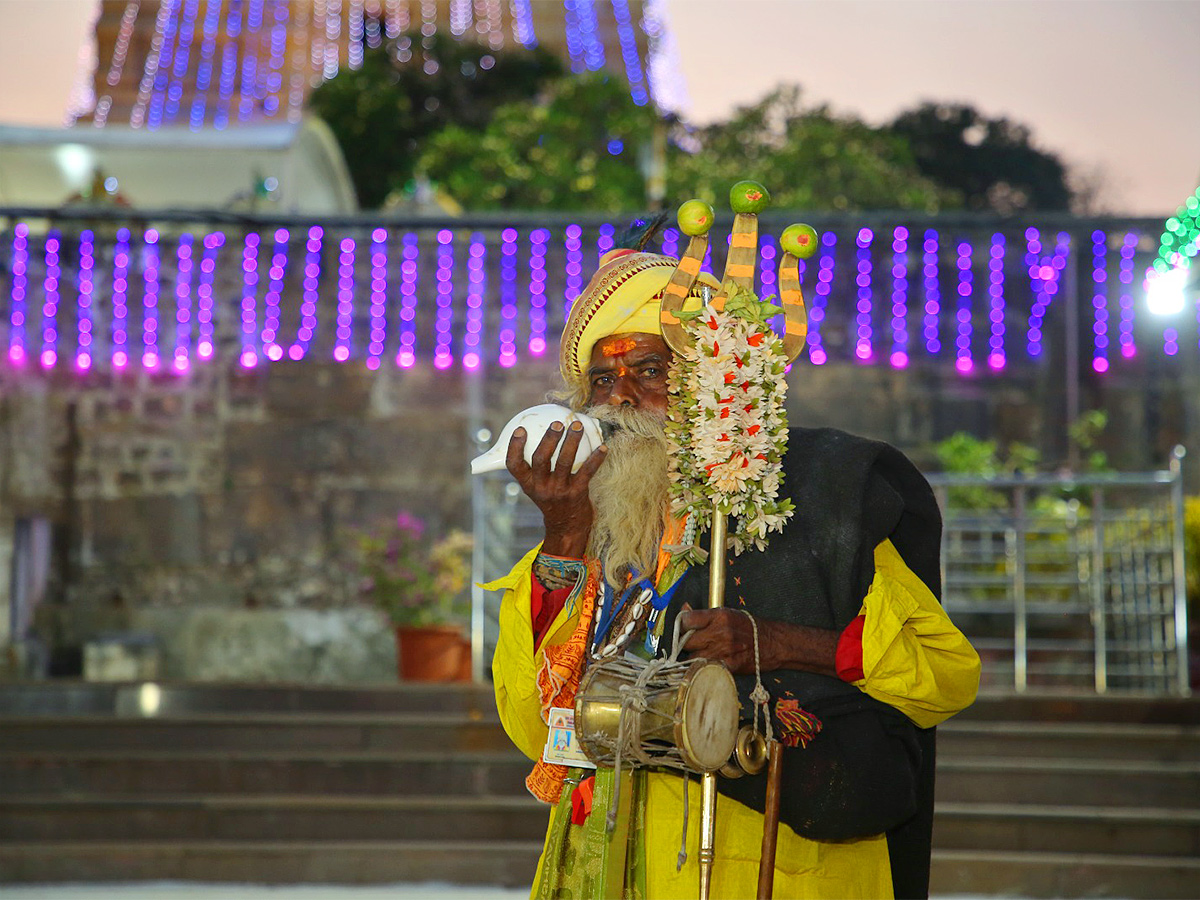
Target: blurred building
(220, 63)
(288, 167)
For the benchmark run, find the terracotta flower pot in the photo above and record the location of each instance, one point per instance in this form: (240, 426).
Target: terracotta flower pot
(433, 653)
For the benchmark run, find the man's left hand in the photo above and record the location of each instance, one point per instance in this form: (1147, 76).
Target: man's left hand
(726, 634)
(722, 634)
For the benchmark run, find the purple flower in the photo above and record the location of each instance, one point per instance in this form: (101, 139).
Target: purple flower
(405, 521)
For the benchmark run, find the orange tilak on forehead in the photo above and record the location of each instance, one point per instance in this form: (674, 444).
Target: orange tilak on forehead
(617, 346)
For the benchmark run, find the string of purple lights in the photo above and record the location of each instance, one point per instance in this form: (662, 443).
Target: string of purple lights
(183, 303)
(899, 354)
(476, 297)
(996, 353)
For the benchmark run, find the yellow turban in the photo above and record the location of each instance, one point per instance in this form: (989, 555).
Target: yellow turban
(623, 297)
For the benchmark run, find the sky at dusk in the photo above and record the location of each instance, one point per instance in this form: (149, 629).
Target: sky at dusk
(1111, 86)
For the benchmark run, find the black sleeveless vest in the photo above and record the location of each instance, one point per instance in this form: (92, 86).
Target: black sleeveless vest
(870, 770)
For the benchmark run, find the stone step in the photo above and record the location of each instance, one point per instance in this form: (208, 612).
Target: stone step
(124, 774)
(1116, 708)
(1057, 740)
(1037, 875)
(1117, 831)
(480, 730)
(1069, 782)
(445, 732)
(80, 698)
(84, 698)
(510, 863)
(276, 772)
(284, 818)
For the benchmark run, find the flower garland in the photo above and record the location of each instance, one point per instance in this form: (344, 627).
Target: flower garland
(727, 424)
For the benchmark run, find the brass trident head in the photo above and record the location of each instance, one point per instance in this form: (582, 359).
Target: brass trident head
(746, 199)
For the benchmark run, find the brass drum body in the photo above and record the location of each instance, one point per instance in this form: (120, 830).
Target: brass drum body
(690, 719)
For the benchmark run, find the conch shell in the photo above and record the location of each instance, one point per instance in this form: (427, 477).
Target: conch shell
(536, 420)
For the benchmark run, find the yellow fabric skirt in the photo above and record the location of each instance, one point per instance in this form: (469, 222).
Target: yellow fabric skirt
(803, 869)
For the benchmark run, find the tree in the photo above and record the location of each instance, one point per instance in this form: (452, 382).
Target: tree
(409, 89)
(575, 148)
(809, 158)
(992, 163)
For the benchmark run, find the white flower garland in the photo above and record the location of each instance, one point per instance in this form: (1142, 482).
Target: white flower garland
(727, 424)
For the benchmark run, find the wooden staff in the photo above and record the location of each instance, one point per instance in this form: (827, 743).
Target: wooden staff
(766, 860)
(708, 783)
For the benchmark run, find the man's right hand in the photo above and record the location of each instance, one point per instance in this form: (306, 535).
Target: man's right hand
(561, 495)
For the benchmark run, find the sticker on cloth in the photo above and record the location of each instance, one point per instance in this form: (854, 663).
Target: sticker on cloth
(561, 747)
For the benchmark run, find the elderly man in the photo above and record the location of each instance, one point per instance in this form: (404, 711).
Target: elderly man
(848, 623)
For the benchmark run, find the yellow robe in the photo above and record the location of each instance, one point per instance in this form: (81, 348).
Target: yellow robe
(914, 659)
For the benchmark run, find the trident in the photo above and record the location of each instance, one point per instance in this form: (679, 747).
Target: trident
(747, 199)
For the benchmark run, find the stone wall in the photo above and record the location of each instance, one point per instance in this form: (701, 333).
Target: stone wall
(227, 489)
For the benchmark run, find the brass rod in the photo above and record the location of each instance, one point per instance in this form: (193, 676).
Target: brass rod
(708, 783)
(708, 831)
(716, 560)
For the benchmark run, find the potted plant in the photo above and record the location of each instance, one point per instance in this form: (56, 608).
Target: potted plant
(418, 583)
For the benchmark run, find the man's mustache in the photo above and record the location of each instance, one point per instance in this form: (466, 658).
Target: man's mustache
(638, 422)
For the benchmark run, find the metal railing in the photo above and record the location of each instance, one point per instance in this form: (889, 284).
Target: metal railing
(1070, 581)
(1061, 582)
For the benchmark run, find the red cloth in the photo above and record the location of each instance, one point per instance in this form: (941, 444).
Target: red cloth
(581, 800)
(849, 658)
(544, 605)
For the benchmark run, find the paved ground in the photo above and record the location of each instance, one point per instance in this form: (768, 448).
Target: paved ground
(177, 891)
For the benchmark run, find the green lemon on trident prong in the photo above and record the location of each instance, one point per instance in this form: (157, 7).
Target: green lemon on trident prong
(748, 197)
(799, 240)
(695, 217)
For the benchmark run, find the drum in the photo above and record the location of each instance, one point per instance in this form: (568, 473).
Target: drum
(676, 714)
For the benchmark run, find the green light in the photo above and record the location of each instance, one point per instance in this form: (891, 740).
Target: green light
(1180, 241)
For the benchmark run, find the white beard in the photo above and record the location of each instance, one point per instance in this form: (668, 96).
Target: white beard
(629, 493)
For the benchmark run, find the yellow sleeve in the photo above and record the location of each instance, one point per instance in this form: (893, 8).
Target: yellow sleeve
(914, 658)
(515, 664)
